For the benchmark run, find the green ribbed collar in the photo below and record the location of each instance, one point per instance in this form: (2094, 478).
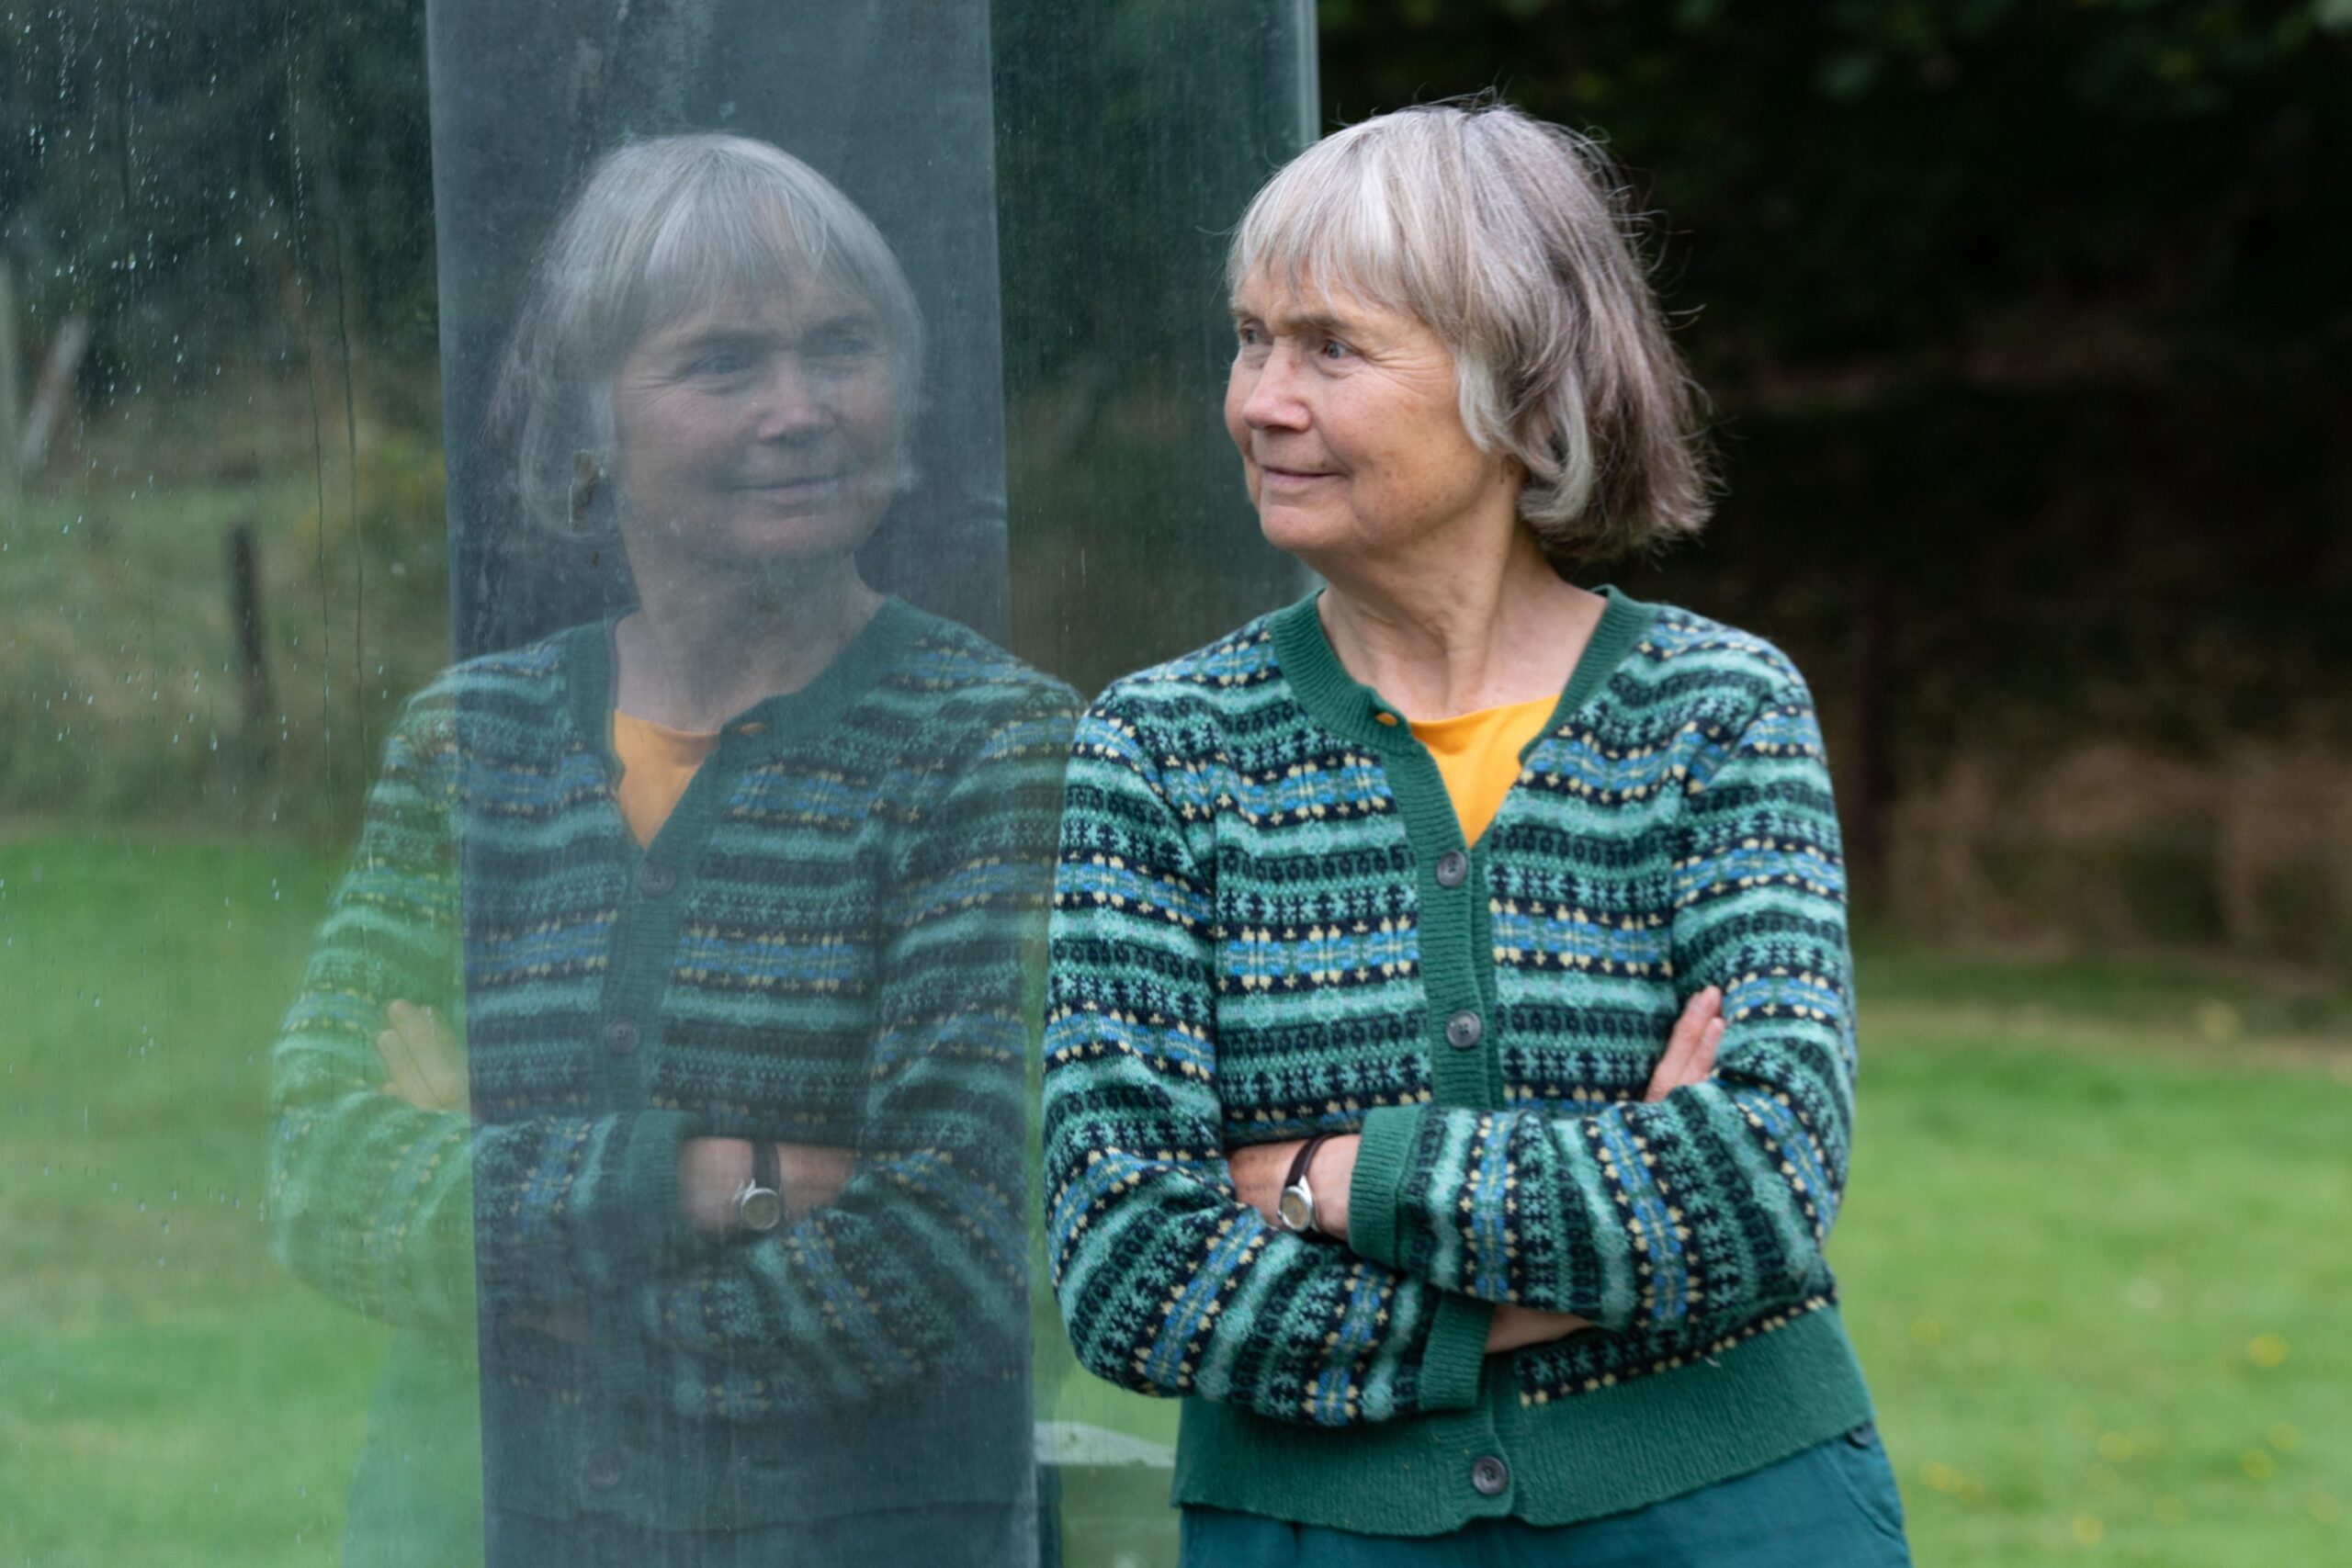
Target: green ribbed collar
(785, 718)
(1354, 709)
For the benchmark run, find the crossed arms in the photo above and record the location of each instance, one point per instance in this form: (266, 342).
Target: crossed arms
(1704, 1202)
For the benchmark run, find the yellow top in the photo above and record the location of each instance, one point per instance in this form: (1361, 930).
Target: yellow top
(1477, 755)
(657, 763)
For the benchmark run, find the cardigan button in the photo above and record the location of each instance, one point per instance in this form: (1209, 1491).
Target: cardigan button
(620, 1037)
(602, 1471)
(655, 879)
(1452, 867)
(1463, 1029)
(1490, 1475)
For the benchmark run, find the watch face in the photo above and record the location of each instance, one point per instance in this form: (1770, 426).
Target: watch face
(1292, 1208)
(760, 1209)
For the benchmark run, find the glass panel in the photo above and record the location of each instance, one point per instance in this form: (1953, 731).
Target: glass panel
(576, 1101)
(1131, 137)
(751, 859)
(221, 571)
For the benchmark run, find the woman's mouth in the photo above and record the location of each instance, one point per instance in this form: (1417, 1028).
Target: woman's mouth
(1289, 479)
(798, 487)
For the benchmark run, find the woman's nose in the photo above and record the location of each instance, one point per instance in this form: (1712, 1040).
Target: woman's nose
(1272, 400)
(791, 401)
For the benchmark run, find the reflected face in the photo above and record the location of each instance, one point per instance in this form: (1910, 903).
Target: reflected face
(764, 428)
(1350, 434)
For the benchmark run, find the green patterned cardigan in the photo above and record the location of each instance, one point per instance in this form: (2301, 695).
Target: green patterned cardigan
(826, 943)
(1266, 924)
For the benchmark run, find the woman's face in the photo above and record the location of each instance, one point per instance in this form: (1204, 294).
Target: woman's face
(1350, 429)
(763, 428)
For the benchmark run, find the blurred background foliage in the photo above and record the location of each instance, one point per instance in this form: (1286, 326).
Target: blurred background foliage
(2026, 331)
(2023, 324)
(173, 167)
(1911, 188)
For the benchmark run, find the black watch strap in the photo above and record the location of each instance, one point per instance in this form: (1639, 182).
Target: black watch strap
(767, 1167)
(1298, 1168)
(1304, 1157)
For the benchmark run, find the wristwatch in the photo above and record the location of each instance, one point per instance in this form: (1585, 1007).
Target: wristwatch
(1294, 1209)
(758, 1202)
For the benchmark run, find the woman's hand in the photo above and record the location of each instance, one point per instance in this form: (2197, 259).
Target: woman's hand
(712, 1171)
(1691, 1048)
(814, 1175)
(1514, 1327)
(421, 1062)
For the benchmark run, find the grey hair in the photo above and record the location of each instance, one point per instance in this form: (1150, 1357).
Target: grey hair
(1512, 241)
(661, 229)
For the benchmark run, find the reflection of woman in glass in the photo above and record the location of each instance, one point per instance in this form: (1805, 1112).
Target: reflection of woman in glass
(733, 894)
(1448, 1039)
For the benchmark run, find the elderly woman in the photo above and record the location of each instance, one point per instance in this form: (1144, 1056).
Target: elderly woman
(733, 892)
(1449, 1040)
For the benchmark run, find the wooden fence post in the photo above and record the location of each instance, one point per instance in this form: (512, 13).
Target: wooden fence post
(245, 611)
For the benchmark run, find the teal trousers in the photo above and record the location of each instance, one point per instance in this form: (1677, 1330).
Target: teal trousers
(1833, 1506)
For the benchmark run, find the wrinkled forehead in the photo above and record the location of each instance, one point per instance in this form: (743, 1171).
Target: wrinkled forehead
(1283, 302)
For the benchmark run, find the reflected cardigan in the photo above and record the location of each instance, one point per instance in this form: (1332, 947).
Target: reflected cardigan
(825, 943)
(1266, 924)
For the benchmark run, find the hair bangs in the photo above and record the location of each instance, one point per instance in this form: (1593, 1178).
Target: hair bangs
(1322, 230)
(718, 239)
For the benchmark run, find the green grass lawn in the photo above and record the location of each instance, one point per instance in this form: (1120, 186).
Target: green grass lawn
(2093, 1250)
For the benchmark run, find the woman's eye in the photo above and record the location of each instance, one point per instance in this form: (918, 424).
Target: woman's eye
(1332, 348)
(720, 363)
(1248, 336)
(843, 345)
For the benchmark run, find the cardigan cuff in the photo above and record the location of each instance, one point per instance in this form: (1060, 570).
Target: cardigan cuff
(650, 1214)
(1456, 1352)
(1375, 1191)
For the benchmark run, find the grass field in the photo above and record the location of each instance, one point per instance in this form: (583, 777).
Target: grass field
(2092, 1251)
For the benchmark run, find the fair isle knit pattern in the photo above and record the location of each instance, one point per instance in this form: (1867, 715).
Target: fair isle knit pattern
(825, 943)
(1266, 924)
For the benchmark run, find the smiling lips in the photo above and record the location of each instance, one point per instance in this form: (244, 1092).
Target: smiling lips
(797, 482)
(1275, 474)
